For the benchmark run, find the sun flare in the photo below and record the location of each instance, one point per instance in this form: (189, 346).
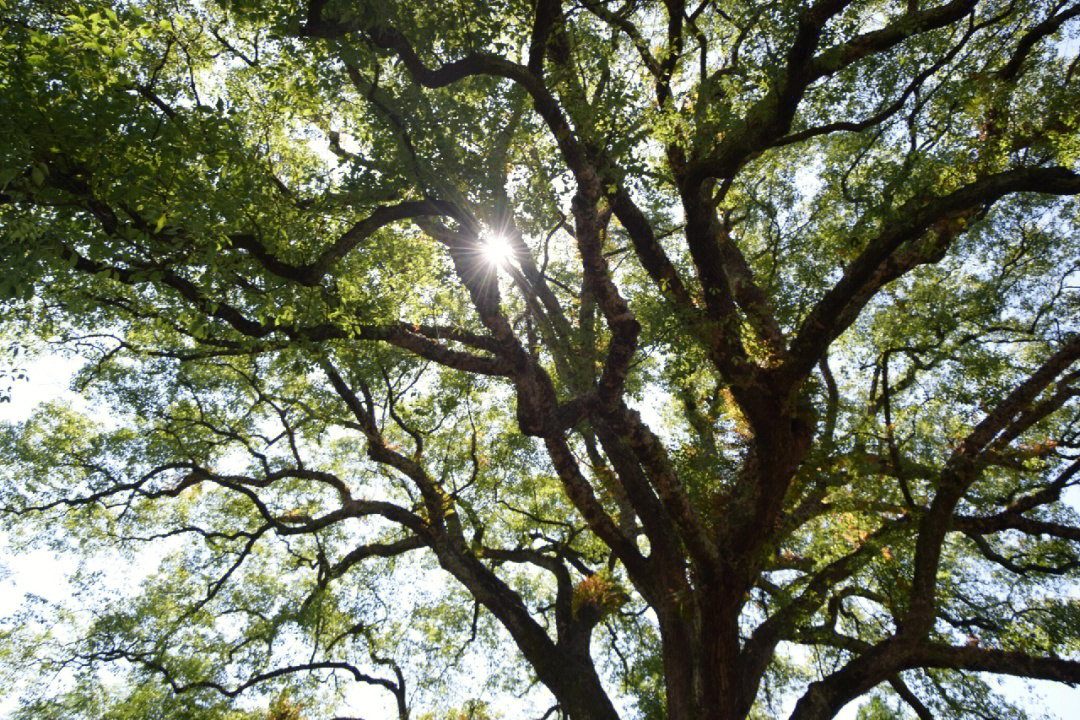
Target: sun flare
(498, 250)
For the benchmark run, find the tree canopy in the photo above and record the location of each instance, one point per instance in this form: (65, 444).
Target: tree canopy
(592, 359)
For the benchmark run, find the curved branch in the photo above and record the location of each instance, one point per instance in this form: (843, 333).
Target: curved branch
(311, 273)
(959, 472)
(895, 252)
(1027, 43)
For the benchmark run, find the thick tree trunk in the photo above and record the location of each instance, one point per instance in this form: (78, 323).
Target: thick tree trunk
(680, 647)
(701, 650)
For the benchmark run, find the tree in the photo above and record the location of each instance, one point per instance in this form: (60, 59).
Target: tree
(676, 360)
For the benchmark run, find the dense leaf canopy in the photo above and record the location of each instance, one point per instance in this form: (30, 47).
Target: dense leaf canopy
(609, 358)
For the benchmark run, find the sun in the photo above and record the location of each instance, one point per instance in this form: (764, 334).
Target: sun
(497, 249)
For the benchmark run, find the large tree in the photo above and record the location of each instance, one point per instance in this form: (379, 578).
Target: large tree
(639, 359)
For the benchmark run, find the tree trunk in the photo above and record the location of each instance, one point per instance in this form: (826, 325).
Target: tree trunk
(701, 650)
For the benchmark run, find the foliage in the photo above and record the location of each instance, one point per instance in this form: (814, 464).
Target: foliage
(608, 359)
(877, 709)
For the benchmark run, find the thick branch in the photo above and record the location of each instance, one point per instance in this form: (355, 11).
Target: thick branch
(978, 659)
